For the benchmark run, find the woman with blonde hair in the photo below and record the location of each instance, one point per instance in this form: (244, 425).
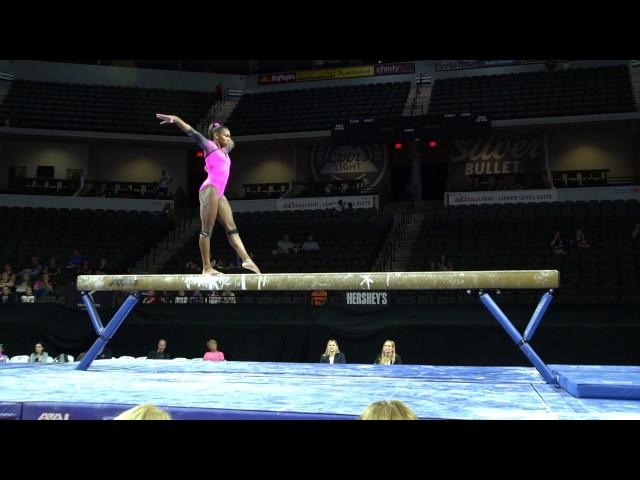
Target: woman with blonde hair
(145, 411)
(213, 355)
(388, 356)
(388, 410)
(332, 353)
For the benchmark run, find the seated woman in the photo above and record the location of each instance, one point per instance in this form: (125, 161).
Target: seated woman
(332, 353)
(581, 240)
(43, 286)
(442, 263)
(557, 245)
(22, 286)
(388, 355)
(39, 355)
(213, 354)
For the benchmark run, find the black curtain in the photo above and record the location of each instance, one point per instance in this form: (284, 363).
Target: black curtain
(424, 334)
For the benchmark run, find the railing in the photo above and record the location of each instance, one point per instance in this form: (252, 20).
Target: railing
(181, 224)
(389, 250)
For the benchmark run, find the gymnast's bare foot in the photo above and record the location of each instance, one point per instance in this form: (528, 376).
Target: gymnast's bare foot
(211, 271)
(249, 265)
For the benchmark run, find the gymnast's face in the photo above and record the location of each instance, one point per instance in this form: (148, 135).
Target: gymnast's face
(224, 138)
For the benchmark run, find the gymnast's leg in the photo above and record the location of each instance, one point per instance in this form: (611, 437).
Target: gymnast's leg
(225, 216)
(208, 212)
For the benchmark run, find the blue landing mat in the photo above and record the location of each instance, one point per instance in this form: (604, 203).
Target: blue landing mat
(248, 390)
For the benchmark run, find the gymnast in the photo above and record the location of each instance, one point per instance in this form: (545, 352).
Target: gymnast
(213, 203)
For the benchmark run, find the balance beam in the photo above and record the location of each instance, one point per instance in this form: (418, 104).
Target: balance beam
(480, 281)
(487, 280)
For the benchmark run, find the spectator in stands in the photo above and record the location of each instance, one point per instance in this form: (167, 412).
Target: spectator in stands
(580, 240)
(213, 355)
(10, 273)
(332, 353)
(191, 266)
(169, 212)
(34, 268)
(181, 298)
(39, 356)
(164, 298)
(150, 297)
(228, 296)
(284, 246)
(85, 269)
(43, 286)
(53, 269)
(442, 263)
(144, 412)
(6, 296)
(214, 297)
(5, 280)
(104, 354)
(27, 296)
(64, 358)
(24, 284)
(163, 185)
(3, 357)
(196, 297)
(557, 245)
(103, 267)
(388, 356)
(75, 260)
(213, 203)
(161, 352)
(310, 245)
(219, 265)
(388, 410)
(635, 233)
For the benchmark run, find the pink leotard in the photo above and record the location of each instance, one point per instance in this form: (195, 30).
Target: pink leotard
(217, 163)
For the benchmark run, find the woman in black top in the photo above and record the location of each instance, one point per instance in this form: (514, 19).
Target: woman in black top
(388, 356)
(332, 353)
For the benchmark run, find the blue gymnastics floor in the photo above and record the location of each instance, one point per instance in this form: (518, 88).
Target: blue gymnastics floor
(194, 389)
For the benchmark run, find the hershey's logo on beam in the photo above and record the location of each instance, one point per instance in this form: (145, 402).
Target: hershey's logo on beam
(53, 416)
(366, 298)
